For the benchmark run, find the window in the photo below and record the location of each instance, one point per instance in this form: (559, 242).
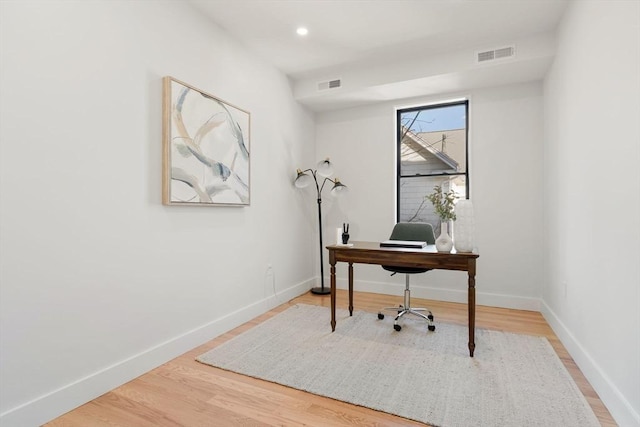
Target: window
(432, 150)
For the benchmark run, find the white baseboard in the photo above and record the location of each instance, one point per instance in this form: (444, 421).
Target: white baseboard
(51, 405)
(619, 407)
(443, 294)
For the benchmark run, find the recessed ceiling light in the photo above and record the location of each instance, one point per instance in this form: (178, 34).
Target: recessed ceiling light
(302, 31)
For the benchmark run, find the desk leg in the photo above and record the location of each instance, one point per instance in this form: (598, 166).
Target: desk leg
(350, 289)
(472, 306)
(333, 295)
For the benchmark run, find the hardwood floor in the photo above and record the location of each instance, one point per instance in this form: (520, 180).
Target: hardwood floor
(184, 392)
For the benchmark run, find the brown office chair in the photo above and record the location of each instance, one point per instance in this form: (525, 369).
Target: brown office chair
(410, 231)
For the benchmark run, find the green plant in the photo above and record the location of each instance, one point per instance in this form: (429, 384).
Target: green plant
(443, 203)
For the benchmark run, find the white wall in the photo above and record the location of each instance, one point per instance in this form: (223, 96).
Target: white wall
(592, 198)
(506, 182)
(99, 281)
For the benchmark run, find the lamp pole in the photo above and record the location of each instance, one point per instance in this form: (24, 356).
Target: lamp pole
(321, 290)
(303, 179)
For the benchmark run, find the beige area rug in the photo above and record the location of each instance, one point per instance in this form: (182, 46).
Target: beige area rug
(512, 380)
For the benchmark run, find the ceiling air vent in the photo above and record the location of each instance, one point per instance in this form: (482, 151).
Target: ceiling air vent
(331, 84)
(492, 55)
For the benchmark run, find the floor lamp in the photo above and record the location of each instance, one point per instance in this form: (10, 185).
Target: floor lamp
(304, 178)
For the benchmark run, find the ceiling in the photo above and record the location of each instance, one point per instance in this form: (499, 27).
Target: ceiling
(356, 38)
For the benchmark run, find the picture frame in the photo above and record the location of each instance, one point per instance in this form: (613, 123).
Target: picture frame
(206, 154)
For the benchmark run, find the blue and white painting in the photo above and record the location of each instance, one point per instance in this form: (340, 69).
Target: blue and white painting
(206, 148)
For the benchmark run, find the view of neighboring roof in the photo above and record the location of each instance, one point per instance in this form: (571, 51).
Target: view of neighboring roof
(419, 147)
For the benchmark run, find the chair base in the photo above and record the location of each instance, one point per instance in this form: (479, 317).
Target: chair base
(401, 310)
(405, 309)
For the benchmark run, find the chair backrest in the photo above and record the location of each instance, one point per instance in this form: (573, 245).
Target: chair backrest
(413, 231)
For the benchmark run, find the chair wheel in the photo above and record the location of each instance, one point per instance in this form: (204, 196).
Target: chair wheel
(380, 316)
(397, 327)
(430, 317)
(432, 327)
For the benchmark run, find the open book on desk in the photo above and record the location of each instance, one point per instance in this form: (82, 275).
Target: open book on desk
(403, 244)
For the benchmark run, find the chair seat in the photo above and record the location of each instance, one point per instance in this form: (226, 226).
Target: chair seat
(405, 270)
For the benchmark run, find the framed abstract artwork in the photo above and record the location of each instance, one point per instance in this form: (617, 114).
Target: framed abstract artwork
(205, 148)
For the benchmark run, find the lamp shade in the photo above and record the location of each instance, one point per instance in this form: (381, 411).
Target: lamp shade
(325, 168)
(303, 179)
(338, 188)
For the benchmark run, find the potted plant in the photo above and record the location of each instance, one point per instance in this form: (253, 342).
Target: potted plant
(444, 207)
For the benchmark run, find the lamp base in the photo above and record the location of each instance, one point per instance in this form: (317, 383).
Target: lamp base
(321, 291)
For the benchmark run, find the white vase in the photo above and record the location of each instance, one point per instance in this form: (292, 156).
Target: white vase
(444, 242)
(464, 227)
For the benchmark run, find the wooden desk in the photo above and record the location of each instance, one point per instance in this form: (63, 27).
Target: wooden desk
(372, 253)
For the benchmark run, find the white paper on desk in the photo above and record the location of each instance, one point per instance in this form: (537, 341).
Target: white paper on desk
(338, 236)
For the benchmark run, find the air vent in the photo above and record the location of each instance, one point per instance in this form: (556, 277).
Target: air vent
(331, 84)
(495, 54)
